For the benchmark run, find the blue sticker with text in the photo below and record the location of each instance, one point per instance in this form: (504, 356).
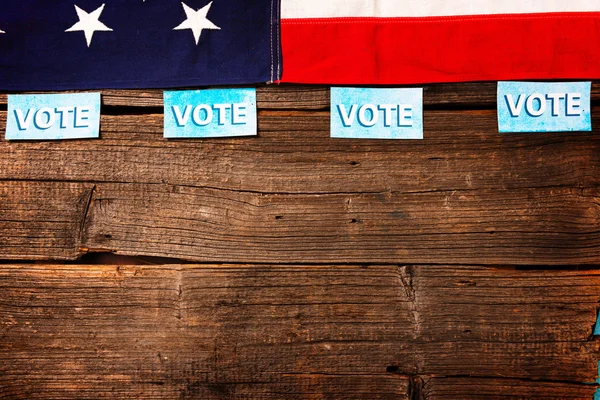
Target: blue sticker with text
(210, 113)
(544, 107)
(53, 116)
(363, 113)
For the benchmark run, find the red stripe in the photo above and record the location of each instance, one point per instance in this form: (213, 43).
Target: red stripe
(441, 49)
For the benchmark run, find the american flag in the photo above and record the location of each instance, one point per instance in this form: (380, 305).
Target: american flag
(91, 44)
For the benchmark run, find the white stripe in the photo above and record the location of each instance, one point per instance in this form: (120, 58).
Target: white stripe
(427, 8)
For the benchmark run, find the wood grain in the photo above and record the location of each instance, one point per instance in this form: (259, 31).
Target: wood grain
(294, 154)
(293, 97)
(501, 389)
(294, 317)
(466, 194)
(42, 216)
(552, 226)
(530, 227)
(255, 331)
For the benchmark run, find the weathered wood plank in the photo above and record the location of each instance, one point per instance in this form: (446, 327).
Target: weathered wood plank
(294, 154)
(283, 97)
(168, 386)
(295, 332)
(464, 195)
(502, 389)
(35, 216)
(550, 226)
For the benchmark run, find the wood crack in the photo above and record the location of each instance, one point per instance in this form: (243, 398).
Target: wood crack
(88, 204)
(388, 192)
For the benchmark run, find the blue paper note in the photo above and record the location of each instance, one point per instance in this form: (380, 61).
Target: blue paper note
(210, 113)
(362, 113)
(53, 116)
(544, 107)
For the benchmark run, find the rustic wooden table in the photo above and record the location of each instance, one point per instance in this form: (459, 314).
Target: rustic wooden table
(295, 266)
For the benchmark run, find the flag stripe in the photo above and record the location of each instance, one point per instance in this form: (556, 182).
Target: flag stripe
(431, 8)
(422, 50)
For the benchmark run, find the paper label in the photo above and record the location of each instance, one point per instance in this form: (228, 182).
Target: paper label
(53, 116)
(363, 113)
(544, 107)
(210, 113)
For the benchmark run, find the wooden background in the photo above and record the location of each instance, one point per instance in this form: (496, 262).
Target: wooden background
(295, 266)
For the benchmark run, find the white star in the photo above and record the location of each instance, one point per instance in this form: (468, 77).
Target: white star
(89, 23)
(196, 20)
(1, 31)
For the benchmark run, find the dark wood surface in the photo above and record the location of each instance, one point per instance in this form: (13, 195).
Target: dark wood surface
(463, 266)
(230, 331)
(464, 195)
